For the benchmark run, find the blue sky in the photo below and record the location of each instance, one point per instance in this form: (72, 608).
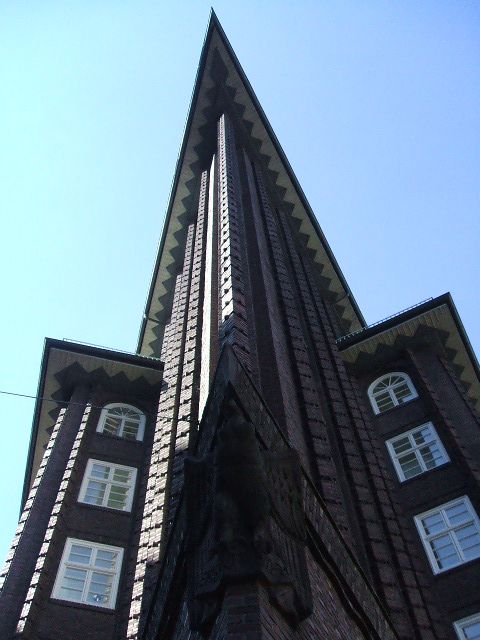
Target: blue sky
(376, 105)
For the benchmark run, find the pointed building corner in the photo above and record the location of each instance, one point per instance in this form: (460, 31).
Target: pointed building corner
(265, 465)
(231, 91)
(251, 534)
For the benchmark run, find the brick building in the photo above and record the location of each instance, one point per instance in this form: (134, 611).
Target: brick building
(265, 466)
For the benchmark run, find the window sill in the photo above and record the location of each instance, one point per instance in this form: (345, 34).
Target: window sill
(82, 605)
(458, 567)
(395, 408)
(424, 474)
(97, 507)
(111, 436)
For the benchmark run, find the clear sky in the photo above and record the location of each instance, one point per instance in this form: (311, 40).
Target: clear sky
(376, 105)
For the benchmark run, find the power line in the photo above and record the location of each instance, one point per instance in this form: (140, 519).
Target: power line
(68, 402)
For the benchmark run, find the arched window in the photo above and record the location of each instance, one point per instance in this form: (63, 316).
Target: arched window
(391, 390)
(122, 420)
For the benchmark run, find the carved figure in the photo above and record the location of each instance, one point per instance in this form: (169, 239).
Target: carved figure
(245, 520)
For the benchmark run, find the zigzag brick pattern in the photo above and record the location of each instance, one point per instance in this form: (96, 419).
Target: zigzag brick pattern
(236, 327)
(26, 623)
(163, 444)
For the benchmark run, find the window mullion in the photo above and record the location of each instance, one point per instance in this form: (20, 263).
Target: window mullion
(88, 581)
(107, 492)
(90, 572)
(451, 533)
(393, 397)
(419, 458)
(456, 544)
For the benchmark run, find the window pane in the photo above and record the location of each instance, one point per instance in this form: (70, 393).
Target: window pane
(100, 471)
(472, 631)
(410, 465)
(458, 513)
(432, 456)
(80, 554)
(118, 497)
(458, 509)
(122, 475)
(444, 551)
(433, 524)
(95, 492)
(100, 588)
(70, 594)
(402, 391)
(423, 435)
(106, 559)
(112, 425)
(72, 584)
(401, 445)
(384, 401)
(469, 540)
(130, 430)
(74, 578)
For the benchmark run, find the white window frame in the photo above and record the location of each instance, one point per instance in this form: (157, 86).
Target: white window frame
(450, 530)
(109, 482)
(464, 623)
(90, 569)
(121, 405)
(396, 402)
(415, 449)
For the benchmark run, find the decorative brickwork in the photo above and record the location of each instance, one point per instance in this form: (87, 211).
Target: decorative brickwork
(267, 506)
(20, 562)
(26, 624)
(346, 588)
(452, 407)
(236, 327)
(39, 518)
(164, 444)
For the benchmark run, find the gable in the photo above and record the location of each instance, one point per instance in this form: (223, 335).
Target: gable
(189, 165)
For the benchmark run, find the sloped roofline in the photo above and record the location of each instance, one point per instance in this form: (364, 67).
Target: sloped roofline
(351, 345)
(214, 25)
(80, 349)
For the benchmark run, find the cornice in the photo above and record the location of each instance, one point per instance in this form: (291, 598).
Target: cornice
(65, 364)
(439, 313)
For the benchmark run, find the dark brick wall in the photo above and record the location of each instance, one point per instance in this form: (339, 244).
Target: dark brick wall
(236, 325)
(329, 618)
(442, 400)
(333, 436)
(42, 616)
(26, 547)
(156, 507)
(269, 303)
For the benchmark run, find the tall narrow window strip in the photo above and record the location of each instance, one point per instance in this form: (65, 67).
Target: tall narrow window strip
(88, 573)
(468, 628)
(106, 484)
(450, 534)
(122, 420)
(390, 391)
(416, 451)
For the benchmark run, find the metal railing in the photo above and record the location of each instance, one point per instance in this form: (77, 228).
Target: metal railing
(113, 350)
(374, 324)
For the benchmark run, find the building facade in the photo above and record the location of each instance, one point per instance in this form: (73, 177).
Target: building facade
(266, 465)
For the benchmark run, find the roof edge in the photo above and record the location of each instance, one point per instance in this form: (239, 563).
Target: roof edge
(352, 339)
(214, 24)
(133, 359)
